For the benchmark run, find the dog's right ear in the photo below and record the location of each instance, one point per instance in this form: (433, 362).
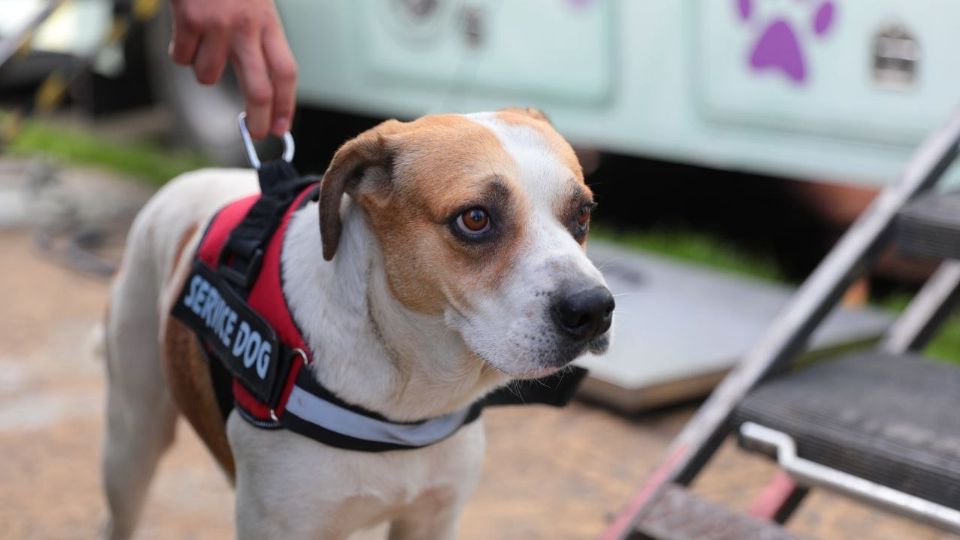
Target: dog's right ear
(352, 161)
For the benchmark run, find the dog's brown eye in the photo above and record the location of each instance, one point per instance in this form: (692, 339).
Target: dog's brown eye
(474, 220)
(583, 215)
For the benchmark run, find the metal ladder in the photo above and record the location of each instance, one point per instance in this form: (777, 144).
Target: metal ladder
(794, 417)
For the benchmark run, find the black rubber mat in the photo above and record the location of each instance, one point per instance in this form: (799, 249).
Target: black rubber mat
(930, 226)
(894, 420)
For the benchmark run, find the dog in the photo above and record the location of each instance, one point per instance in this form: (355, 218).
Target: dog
(449, 260)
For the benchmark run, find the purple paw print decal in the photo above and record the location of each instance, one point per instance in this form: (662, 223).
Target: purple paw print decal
(779, 42)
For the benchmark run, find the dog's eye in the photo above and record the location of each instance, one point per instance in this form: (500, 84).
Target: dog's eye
(474, 221)
(583, 215)
(583, 220)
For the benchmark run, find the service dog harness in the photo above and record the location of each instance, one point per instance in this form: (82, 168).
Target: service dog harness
(258, 359)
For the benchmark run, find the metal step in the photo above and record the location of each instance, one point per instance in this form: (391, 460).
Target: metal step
(929, 227)
(888, 419)
(680, 515)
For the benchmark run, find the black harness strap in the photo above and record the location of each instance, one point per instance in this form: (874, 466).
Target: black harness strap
(222, 383)
(242, 255)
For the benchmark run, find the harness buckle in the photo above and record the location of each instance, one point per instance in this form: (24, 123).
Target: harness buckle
(288, 146)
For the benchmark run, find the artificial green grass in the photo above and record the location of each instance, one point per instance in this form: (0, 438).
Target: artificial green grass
(147, 161)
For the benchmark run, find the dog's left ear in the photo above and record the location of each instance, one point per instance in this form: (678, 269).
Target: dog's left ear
(351, 163)
(529, 111)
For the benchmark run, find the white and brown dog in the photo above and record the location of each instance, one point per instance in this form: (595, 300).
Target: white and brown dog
(459, 265)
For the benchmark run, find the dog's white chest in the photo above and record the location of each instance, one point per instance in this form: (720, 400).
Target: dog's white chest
(313, 485)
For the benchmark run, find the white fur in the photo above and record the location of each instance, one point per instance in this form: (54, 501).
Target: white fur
(512, 330)
(141, 414)
(369, 350)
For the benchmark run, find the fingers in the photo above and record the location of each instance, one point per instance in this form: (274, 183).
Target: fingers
(258, 92)
(183, 43)
(283, 74)
(207, 33)
(211, 56)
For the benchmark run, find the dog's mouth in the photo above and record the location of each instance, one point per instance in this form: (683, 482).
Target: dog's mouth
(599, 344)
(533, 373)
(571, 350)
(538, 373)
(550, 362)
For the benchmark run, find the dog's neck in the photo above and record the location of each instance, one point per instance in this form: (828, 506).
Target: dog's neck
(368, 348)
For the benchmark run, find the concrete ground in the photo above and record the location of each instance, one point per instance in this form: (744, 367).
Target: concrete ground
(557, 474)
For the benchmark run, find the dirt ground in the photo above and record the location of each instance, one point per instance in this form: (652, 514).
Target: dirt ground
(549, 473)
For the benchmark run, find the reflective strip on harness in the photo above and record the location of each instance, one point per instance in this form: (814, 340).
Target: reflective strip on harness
(316, 410)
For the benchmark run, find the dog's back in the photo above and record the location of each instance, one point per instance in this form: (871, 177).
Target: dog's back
(140, 407)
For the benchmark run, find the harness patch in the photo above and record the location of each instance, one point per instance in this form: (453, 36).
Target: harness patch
(240, 338)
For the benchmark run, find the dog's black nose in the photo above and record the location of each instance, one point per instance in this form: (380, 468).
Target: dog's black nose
(585, 314)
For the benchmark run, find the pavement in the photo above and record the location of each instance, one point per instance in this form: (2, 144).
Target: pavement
(557, 474)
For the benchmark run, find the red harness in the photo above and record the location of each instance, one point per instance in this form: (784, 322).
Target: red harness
(266, 295)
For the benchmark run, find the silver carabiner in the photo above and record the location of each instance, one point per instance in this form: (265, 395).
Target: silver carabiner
(252, 157)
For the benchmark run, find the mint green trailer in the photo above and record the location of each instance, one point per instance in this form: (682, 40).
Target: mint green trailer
(826, 90)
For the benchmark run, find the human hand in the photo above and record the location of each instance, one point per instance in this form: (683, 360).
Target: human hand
(248, 32)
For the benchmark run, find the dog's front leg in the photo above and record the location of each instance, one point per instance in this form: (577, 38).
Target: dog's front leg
(291, 487)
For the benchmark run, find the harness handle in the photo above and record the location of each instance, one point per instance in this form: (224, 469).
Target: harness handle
(288, 146)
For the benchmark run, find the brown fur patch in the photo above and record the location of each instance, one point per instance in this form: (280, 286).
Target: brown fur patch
(192, 390)
(443, 165)
(187, 372)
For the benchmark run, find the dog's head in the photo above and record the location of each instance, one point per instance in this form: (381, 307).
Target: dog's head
(481, 220)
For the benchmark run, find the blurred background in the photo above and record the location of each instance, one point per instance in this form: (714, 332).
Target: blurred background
(729, 142)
